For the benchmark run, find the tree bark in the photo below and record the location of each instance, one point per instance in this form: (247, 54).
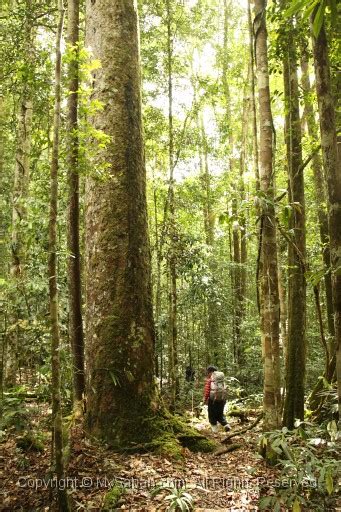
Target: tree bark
(57, 432)
(212, 330)
(282, 290)
(4, 255)
(20, 194)
(236, 236)
(21, 181)
(119, 317)
(173, 299)
(320, 192)
(74, 262)
(268, 251)
(332, 168)
(296, 353)
(158, 329)
(242, 216)
(253, 97)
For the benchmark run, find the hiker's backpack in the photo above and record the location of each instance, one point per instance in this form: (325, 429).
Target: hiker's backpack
(218, 389)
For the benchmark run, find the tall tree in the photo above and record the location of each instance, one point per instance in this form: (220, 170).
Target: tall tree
(20, 186)
(120, 330)
(332, 168)
(212, 331)
(253, 96)
(269, 299)
(236, 237)
(74, 264)
(296, 350)
(320, 188)
(242, 216)
(173, 296)
(3, 248)
(57, 429)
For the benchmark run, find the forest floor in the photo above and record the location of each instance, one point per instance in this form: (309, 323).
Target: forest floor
(231, 482)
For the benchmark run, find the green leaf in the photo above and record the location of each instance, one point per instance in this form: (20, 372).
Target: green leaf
(277, 507)
(265, 502)
(329, 482)
(310, 9)
(319, 18)
(181, 504)
(263, 442)
(296, 506)
(295, 7)
(114, 378)
(129, 375)
(332, 430)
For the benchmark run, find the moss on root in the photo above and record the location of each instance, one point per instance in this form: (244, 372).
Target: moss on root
(169, 435)
(112, 498)
(30, 442)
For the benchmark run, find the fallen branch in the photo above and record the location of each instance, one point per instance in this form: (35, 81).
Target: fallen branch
(239, 413)
(242, 430)
(230, 448)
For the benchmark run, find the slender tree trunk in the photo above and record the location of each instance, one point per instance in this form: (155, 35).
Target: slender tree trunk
(270, 315)
(74, 264)
(158, 334)
(20, 193)
(4, 255)
(237, 300)
(282, 290)
(21, 181)
(119, 316)
(237, 349)
(243, 227)
(173, 328)
(212, 331)
(52, 274)
(320, 191)
(296, 354)
(253, 97)
(332, 168)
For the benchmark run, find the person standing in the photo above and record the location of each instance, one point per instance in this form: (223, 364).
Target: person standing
(215, 398)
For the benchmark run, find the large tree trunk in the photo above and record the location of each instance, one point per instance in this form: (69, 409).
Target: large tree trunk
(296, 353)
(74, 264)
(119, 318)
(332, 168)
(268, 253)
(320, 191)
(57, 431)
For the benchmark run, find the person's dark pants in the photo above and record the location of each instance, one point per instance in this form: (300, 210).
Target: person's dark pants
(216, 412)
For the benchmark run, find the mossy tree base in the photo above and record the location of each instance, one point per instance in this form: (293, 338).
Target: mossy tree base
(168, 435)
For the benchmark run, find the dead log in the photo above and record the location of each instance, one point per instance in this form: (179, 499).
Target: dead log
(230, 448)
(242, 430)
